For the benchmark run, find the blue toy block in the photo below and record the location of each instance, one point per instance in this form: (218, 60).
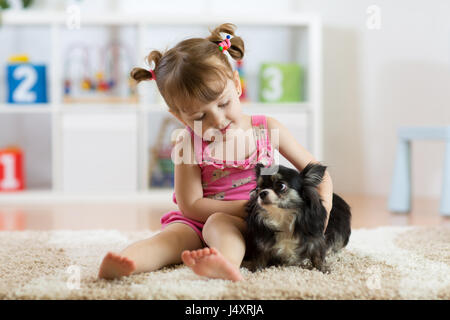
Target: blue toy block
(27, 83)
(400, 197)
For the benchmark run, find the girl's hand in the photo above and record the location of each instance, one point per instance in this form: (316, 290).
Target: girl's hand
(241, 206)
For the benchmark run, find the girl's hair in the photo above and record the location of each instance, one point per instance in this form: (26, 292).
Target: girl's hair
(193, 71)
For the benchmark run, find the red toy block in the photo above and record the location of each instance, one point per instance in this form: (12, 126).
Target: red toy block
(12, 175)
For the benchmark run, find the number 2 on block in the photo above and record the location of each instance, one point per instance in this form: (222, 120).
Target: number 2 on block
(23, 91)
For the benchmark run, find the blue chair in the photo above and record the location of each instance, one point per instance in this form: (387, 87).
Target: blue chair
(400, 197)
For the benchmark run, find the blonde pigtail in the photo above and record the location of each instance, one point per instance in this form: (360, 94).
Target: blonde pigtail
(237, 48)
(141, 74)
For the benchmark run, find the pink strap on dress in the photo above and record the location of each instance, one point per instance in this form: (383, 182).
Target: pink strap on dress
(198, 146)
(265, 150)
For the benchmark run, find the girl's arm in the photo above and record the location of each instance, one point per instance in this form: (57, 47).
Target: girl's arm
(189, 194)
(300, 157)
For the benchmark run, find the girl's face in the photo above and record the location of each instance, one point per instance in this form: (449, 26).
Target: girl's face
(223, 114)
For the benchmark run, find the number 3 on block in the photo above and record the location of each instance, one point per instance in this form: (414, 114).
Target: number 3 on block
(273, 90)
(281, 82)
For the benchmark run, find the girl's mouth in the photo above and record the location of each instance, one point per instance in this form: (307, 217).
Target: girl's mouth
(225, 129)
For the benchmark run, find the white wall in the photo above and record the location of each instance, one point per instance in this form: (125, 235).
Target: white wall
(377, 80)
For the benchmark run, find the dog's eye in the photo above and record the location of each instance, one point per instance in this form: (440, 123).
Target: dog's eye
(282, 187)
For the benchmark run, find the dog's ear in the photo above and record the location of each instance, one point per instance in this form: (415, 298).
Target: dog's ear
(258, 168)
(312, 174)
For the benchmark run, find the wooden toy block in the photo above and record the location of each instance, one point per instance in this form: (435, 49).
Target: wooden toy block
(280, 82)
(12, 176)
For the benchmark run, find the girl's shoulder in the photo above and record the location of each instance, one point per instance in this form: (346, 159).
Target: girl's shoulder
(273, 130)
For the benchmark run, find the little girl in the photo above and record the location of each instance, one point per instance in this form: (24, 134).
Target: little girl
(200, 87)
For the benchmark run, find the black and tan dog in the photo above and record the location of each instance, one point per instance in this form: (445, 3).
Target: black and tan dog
(286, 218)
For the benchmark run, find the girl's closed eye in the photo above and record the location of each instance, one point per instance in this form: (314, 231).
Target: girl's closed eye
(223, 105)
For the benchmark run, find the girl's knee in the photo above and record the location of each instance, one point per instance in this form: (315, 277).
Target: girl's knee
(180, 234)
(219, 220)
(213, 222)
(214, 219)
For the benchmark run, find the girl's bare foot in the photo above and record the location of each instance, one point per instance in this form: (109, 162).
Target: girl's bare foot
(115, 266)
(211, 263)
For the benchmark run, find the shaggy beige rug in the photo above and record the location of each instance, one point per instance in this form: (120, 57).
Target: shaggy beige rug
(382, 263)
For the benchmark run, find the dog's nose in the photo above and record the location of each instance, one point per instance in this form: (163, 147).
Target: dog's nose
(263, 194)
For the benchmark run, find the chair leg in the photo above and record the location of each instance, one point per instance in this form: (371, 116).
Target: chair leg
(445, 196)
(400, 197)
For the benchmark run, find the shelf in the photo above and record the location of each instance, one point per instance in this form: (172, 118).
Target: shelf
(300, 107)
(292, 107)
(100, 100)
(35, 17)
(25, 108)
(96, 108)
(48, 196)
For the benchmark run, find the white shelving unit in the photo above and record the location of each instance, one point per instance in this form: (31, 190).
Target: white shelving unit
(307, 41)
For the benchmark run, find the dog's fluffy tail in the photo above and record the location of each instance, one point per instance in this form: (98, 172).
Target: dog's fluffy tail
(338, 230)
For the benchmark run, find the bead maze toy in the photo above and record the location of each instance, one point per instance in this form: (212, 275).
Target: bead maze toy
(110, 84)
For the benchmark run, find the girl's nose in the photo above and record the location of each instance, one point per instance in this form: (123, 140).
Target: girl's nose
(218, 120)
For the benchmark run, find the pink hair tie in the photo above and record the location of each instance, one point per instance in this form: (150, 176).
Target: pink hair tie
(153, 74)
(225, 44)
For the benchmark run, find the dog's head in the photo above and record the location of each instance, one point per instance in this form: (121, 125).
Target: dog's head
(289, 197)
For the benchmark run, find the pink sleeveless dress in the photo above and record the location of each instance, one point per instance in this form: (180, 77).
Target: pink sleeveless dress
(230, 180)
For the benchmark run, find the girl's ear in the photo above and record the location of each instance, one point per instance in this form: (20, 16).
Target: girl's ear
(237, 82)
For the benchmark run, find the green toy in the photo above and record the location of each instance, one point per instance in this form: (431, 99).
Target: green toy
(281, 82)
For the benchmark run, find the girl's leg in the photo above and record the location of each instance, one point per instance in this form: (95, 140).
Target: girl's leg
(224, 235)
(151, 254)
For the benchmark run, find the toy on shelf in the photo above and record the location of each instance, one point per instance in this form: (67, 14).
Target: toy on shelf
(161, 169)
(27, 82)
(240, 69)
(77, 70)
(280, 82)
(109, 84)
(12, 175)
